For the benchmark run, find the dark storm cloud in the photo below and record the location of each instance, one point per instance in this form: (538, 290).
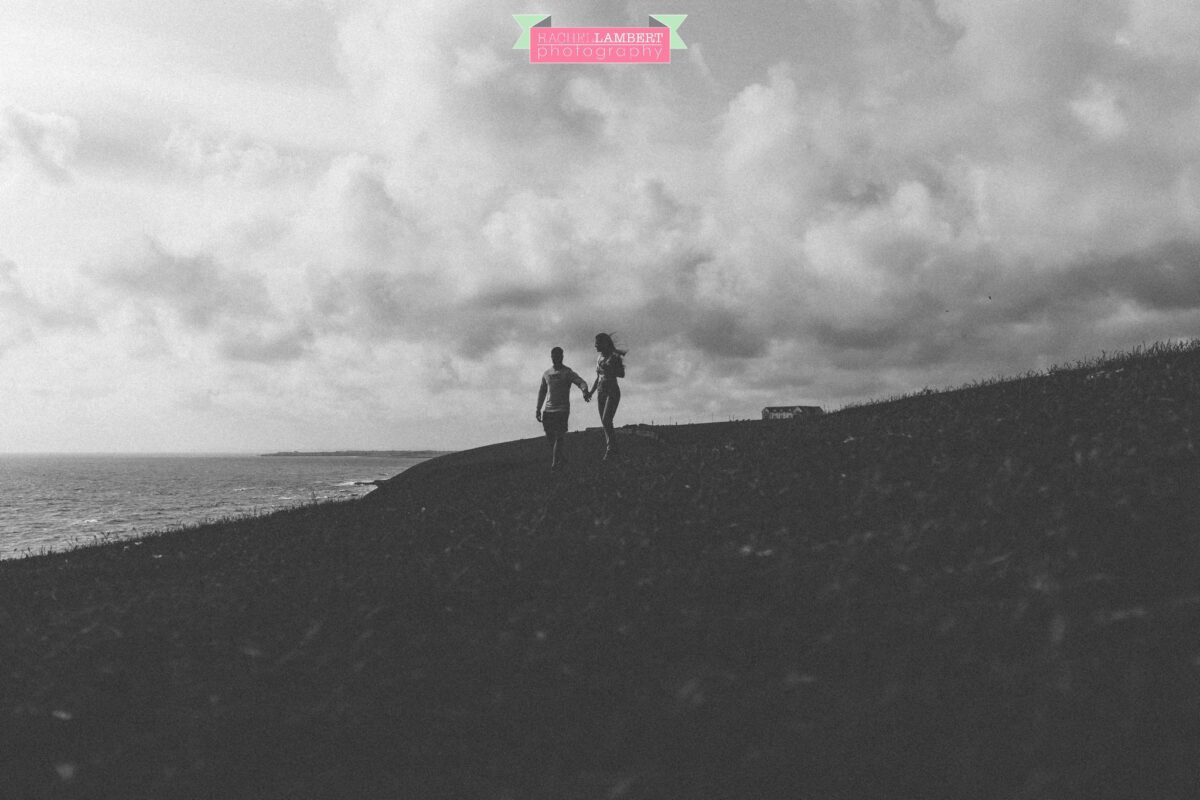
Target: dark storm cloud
(266, 348)
(721, 332)
(376, 303)
(23, 316)
(872, 338)
(522, 298)
(231, 309)
(197, 289)
(1165, 277)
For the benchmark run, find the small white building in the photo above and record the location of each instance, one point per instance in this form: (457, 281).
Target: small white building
(790, 412)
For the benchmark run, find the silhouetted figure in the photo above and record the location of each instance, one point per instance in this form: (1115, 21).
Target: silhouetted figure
(556, 382)
(609, 367)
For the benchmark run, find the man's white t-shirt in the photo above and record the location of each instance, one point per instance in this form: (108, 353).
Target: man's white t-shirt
(558, 388)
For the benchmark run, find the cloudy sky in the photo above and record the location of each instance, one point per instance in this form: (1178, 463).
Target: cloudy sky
(245, 225)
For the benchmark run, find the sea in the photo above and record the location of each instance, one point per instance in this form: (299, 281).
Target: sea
(57, 502)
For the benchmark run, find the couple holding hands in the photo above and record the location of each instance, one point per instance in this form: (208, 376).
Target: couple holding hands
(556, 382)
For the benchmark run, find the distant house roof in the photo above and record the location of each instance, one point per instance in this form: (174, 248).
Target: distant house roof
(784, 412)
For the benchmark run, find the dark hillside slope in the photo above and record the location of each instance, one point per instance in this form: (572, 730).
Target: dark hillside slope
(988, 593)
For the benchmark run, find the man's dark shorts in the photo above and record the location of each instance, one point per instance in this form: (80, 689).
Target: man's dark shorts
(555, 423)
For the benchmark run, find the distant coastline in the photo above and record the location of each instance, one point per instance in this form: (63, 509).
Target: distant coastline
(364, 453)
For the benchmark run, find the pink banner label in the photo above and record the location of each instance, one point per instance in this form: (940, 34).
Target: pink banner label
(599, 46)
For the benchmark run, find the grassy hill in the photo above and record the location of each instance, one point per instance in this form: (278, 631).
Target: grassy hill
(992, 592)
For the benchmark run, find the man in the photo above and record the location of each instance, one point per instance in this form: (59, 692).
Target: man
(556, 382)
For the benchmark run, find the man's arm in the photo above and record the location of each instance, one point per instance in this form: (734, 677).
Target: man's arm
(582, 384)
(541, 399)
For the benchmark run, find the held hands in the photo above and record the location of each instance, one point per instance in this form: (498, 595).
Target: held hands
(538, 415)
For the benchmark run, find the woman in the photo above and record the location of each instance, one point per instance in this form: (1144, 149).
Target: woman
(609, 367)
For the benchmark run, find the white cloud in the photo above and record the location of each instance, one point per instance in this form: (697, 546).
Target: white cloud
(1163, 30)
(24, 317)
(1099, 110)
(41, 142)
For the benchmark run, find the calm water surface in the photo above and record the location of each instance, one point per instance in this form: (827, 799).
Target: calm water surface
(52, 502)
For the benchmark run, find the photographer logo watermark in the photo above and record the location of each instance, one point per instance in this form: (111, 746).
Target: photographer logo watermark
(649, 45)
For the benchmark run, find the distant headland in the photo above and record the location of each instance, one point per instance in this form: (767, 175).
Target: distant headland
(365, 453)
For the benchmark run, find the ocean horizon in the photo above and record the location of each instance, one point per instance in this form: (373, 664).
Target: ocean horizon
(56, 501)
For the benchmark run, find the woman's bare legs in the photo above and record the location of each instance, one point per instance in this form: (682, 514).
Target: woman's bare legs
(608, 410)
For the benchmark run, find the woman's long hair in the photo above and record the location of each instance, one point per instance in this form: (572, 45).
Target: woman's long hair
(605, 344)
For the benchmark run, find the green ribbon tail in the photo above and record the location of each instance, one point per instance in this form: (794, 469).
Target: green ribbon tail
(672, 21)
(527, 21)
